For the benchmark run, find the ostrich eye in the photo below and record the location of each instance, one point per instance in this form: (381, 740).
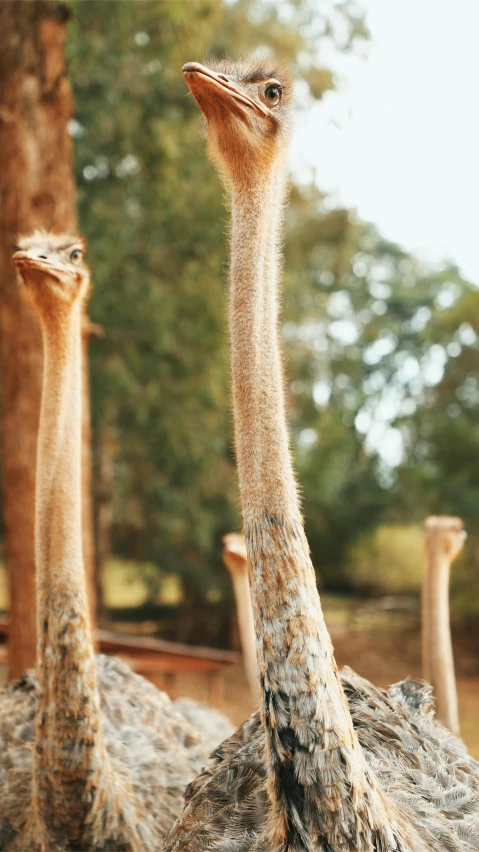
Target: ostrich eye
(75, 255)
(272, 94)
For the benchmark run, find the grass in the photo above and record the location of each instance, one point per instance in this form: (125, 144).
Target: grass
(124, 584)
(4, 597)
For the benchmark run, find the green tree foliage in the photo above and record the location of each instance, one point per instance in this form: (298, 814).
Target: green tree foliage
(388, 561)
(368, 329)
(441, 465)
(152, 209)
(363, 324)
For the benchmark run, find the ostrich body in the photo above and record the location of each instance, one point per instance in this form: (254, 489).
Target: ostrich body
(91, 755)
(236, 561)
(444, 539)
(330, 764)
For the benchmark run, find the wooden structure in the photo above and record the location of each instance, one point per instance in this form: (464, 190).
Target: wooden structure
(158, 660)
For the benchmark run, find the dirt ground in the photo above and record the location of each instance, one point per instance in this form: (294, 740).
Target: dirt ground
(238, 706)
(382, 647)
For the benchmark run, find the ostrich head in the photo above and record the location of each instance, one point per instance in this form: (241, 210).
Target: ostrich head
(247, 110)
(449, 530)
(234, 553)
(53, 270)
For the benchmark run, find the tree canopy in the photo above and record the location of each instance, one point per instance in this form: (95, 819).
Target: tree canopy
(381, 348)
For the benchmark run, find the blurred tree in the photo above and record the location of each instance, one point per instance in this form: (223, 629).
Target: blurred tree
(388, 561)
(152, 208)
(357, 308)
(360, 313)
(37, 189)
(440, 470)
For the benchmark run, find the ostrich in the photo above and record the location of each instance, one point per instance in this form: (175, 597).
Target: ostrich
(91, 755)
(236, 561)
(330, 763)
(444, 539)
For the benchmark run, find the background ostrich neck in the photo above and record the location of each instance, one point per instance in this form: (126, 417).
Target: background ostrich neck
(440, 655)
(304, 709)
(246, 629)
(425, 618)
(69, 749)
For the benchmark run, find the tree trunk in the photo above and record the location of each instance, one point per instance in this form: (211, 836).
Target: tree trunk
(37, 190)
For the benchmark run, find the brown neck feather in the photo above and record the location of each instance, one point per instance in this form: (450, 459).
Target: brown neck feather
(319, 784)
(69, 757)
(262, 444)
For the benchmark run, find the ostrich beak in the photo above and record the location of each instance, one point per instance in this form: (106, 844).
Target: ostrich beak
(213, 92)
(25, 262)
(24, 258)
(19, 258)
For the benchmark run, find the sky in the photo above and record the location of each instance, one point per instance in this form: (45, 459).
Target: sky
(399, 139)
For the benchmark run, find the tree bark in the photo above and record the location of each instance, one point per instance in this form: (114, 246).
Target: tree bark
(37, 190)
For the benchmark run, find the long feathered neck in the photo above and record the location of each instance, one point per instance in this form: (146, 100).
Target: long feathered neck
(69, 758)
(438, 659)
(319, 784)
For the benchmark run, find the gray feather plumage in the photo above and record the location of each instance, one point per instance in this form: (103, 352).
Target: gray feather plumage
(148, 738)
(424, 769)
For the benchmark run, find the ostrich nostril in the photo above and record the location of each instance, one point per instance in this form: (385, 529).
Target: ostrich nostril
(223, 77)
(42, 257)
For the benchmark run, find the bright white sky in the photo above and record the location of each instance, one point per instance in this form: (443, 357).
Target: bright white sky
(399, 140)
